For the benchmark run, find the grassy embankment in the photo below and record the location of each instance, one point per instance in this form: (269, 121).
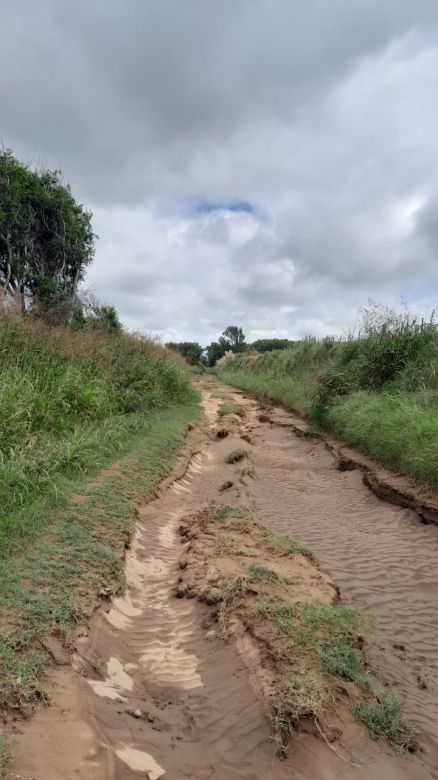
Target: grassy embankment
(377, 392)
(71, 403)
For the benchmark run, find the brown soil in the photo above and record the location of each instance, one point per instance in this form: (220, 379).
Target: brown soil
(154, 690)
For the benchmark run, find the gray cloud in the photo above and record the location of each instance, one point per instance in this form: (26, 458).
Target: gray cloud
(321, 115)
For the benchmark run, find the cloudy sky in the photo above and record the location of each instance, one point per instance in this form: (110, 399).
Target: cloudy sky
(268, 163)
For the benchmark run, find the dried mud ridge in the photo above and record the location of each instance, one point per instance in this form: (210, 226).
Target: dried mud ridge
(235, 564)
(186, 674)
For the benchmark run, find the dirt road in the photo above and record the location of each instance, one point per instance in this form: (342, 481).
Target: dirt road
(154, 693)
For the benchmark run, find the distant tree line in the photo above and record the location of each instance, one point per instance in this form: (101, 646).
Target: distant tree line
(46, 244)
(232, 339)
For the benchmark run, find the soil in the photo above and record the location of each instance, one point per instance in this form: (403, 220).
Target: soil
(153, 689)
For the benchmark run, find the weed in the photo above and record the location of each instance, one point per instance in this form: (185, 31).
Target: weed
(296, 696)
(236, 455)
(285, 545)
(257, 572)
(226, 544)
(333, 635)
(234, 518)
(231, 408)
(383, 717)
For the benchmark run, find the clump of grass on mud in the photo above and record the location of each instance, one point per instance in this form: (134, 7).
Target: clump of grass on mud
(226, 544)
(332, 634)
(257, 573)
(231, 408)
(285, 545)
(236, 455)
(383, 717)
(234, 518)
(297, 696)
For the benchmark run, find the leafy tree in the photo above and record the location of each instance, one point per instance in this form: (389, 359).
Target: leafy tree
(190, 350)
(46, 239)
(106, 318)
(216, 350)
(235, 338)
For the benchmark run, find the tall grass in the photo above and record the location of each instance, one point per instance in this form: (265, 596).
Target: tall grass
(378, 390)
(68, 401)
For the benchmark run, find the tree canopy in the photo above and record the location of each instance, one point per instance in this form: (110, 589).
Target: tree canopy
(233, 338)
(190, 350)
(46, 239)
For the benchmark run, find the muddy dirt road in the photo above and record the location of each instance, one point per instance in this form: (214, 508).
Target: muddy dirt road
(152, 691)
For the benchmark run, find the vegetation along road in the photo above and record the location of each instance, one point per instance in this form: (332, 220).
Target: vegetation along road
(276, 615)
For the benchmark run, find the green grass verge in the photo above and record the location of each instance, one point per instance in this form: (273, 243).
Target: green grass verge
(378, 391)
(398, 429)
(69, 402)
(293, 392)
(52, 584)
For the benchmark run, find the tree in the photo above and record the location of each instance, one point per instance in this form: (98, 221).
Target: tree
(46, 239)
(190, 350)
(216, 350)
(235, 338)
(106, 318)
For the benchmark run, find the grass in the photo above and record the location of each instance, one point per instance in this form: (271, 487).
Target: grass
(257, 572)
(383, 717)
(236, 455)
(378, 391)
(397, 429)
(234, 518)
(69, 403)
(329, 633)
(226, 544)
(231, 408)
(52, 585)
(296, 696)
(285, 545)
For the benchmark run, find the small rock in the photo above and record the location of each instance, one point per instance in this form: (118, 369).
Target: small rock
(212, 634)
(422, 684)
(105, 592)
(150, 718)
(136, 713)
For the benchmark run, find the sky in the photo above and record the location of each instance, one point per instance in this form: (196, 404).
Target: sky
(266, 163)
